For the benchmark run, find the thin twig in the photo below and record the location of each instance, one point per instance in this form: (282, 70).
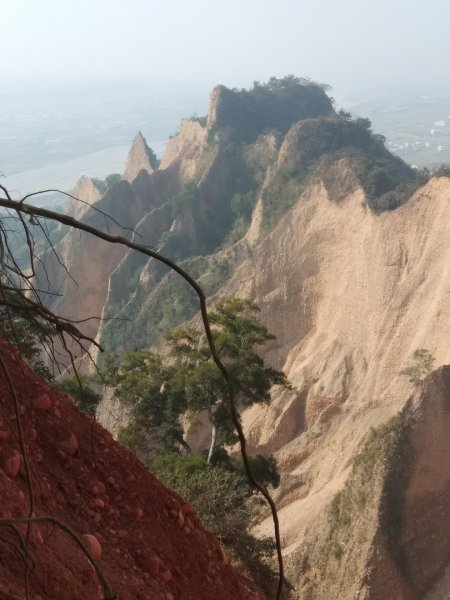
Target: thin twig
(74, 223)
(108, 595)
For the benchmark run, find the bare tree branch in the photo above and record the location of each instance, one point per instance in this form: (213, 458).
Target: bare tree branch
(35, 211)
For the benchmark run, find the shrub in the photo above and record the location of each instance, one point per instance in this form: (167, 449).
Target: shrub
(225, 505)
(421, 366)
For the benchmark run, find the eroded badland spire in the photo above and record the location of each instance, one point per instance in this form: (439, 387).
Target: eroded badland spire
(140, 156)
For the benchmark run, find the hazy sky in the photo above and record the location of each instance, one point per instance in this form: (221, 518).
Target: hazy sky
(227, 41)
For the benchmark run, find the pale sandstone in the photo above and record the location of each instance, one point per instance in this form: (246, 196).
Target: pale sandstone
(356, 294)
(139, 158)
(184, 149)
(85, 194)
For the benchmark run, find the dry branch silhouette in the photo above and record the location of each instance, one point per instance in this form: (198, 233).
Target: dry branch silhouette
(66, 327)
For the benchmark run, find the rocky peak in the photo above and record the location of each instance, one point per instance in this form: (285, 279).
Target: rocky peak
(277, 104)
(215, 99)
(185, 148)
(85, 191)
(141, 157)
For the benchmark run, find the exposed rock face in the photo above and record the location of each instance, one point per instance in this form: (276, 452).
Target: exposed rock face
(86, 191)
(184, 149)
(89, 260)
(217, 168)
(124, 515)
(385, 534)
(261, 155)
(216, 99)
(139, 158)
(275, 105)
(355, 295)
(350, 295)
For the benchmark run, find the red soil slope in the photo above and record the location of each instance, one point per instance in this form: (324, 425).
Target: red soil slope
(152, 544)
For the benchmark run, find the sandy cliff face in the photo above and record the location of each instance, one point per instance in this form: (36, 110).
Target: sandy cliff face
(78, 271)
(88, 260)
(351, 295)
(183, 150)
(140, 158)
(385, 533)
(86, 191)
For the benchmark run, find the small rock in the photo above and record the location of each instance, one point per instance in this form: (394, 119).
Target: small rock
(96, 489)
(166, 576)
(93, 545)
(11, 465)
(154, 565)
(4, 435)
(187, 508)
(42, 402)
(70, 445)
(180, 520)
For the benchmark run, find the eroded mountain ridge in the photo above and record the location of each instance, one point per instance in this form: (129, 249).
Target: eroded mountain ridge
(298, 214)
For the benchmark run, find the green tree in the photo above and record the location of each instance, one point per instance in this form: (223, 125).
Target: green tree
(150, 389)
(158, 393)
(236, 334)
(421, 367)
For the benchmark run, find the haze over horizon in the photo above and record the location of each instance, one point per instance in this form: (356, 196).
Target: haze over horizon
(80, 78)
(350, 43)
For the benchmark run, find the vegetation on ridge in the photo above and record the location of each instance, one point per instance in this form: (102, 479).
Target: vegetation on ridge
(243, 114)
(226, 505)
(421, 366)
(266, 142)
(314, 144)
(371, 501)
